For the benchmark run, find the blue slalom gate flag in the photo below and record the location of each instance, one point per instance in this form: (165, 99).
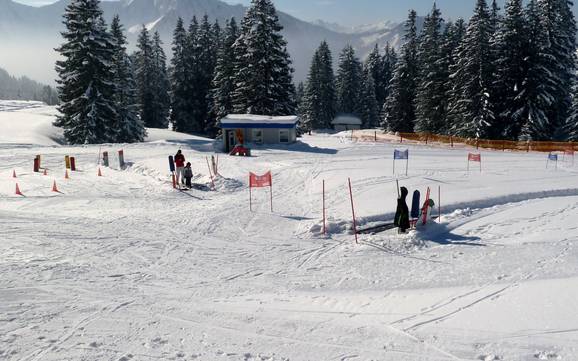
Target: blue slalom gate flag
(553, 157)
(401, 154)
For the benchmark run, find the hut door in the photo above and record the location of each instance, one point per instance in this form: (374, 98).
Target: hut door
(232, 141)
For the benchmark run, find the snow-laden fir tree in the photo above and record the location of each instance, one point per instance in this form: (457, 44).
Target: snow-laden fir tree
(388, 62)
(399, 108)
(513, 46)
(349, 83)
(223, 81)
(129, 127)
(560, 26)
(205, 66)
(161, 84)
(571, 128)
(263, 78)
(369, 108)
(471, 108)
(180, 81)
(86, 76)
(374, 64)
(542, 84)
(144, 74)
(319, 100)
(432, 89)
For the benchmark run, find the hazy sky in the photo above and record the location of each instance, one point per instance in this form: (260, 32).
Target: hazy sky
(356, 12)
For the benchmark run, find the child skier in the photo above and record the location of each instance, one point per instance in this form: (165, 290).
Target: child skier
(188, 175)
(402, 213)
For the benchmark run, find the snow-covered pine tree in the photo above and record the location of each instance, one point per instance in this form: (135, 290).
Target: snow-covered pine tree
(571, 128)
(541, 85)
(389, 61)
(369, 108)
(129, 127)
(144, 73)
(263, 79)
(196, 124)
(180, 81)
(399, 108)
(374, 64)
(319, 98)
(560, 26)
(432, 90)
(86, 76)
(349, 83)
(512, 43)
(205, 66)
(471, 105)
(161, 84)
(223, 82)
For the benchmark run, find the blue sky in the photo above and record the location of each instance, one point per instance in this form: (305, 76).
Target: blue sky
(356, 12)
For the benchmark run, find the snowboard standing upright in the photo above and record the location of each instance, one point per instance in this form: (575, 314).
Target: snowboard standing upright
(415, 207)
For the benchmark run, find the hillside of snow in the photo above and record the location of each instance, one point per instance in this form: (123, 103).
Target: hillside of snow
(123, 267)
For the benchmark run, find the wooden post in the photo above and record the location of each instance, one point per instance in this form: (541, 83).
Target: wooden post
(353, 211)
(451, 141)
(375, 135)
(400, 138)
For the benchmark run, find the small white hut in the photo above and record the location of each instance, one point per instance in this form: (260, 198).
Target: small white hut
(344, 122)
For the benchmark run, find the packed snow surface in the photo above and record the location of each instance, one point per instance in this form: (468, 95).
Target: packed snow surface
(123, 267)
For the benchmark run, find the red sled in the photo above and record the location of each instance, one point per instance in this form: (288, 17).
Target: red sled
(241, 151)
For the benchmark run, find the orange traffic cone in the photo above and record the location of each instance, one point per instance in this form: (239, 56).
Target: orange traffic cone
(18, 193)
(66, 174)
(54, 188)
(99, 172)
(14, 174)
(45, 171)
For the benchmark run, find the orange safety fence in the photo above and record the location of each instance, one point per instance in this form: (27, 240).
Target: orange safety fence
(433, 139)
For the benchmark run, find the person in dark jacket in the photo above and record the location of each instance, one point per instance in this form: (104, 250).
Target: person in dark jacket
(188, 175)
(402, 213)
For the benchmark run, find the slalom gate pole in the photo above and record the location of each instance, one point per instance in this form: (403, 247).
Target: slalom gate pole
(250, 196)
(324, 227)
(406, 165)
(353, 211)
(440, 204)
(210, 173)
(271, 195)
(397, 182)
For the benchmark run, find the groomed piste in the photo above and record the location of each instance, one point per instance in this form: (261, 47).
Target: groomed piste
(124, 267)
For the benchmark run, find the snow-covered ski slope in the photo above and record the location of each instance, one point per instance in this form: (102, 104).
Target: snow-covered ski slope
(122, 267)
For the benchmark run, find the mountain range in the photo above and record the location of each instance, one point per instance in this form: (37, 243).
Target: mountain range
(28, 35)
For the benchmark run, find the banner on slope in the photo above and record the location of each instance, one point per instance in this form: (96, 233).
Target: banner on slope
(260, 181)
(401, 155)
(552, 158)
(476, 158)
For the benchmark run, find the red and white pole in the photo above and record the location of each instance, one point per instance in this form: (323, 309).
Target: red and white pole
(324, 220)
(353, 211)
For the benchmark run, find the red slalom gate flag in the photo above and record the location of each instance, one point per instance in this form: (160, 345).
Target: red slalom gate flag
(260, 181)
(474, 157)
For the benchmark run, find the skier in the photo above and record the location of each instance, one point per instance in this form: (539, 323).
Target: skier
(188, 175)
(180, 165)
(402, 213)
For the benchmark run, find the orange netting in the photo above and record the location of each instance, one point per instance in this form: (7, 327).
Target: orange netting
(446, 140)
